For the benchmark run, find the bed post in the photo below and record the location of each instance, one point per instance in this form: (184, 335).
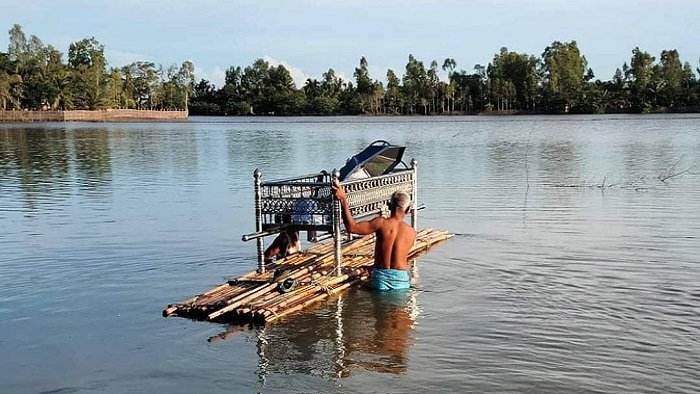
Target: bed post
(414, 197)
(257, 175)
(336, 227)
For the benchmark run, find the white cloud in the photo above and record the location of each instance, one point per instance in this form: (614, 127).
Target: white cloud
(297, 74)
(343, 77)
(117, 58)
(216, 75)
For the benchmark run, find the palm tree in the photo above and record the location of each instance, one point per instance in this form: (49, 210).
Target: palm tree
(8, 89)
(61, 80)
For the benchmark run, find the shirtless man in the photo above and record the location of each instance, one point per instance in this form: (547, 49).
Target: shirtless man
(394, 239)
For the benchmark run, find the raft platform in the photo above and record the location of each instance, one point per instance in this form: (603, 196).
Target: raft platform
(259, 297)
(336, 261)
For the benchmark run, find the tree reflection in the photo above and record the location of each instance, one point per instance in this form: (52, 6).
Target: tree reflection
(506, 158)
(269, 150)
(37, 159)
(92, 159)
(560, 161)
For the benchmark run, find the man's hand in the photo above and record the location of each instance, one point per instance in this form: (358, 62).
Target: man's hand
(338, 191)
(361, 228)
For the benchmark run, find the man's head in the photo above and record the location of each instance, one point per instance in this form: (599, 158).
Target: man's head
(400, 202)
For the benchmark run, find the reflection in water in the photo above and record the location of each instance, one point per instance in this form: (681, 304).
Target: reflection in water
(93, 160)
(507, 158)
(48, 165)
(37, 160)
(592, 292)
(361, 330)
(559, 161)
(251, 148)
(378, 330)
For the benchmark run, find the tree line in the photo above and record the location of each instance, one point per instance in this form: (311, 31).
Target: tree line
(34, 76)
(558, 81)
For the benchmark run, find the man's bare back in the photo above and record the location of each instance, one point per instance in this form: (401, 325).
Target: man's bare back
(394, 236)
(394, 241)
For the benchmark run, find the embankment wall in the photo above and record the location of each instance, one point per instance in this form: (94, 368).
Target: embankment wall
(103, 115)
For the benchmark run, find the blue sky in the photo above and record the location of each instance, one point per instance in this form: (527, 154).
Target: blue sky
(309, 36)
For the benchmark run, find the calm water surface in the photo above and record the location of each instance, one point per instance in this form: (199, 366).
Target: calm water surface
(575, 268)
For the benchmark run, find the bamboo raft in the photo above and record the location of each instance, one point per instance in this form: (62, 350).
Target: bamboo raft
(256, 298)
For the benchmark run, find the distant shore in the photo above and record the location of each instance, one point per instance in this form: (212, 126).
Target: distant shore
(133, 115)
(102, 115)
(660, 110)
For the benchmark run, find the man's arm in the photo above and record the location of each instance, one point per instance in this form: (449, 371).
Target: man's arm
(360, 228)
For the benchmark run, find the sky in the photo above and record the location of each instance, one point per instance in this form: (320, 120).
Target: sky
(311, 36)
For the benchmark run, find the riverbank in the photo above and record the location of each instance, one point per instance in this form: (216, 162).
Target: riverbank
(693, 109)
(103, 115)
(660, 110)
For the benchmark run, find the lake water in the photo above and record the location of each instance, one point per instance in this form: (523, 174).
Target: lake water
(575, 267)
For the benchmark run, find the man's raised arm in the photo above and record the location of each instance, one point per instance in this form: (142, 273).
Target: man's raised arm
(361, 228)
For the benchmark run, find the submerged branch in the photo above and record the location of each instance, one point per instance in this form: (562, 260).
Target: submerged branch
(670, 172)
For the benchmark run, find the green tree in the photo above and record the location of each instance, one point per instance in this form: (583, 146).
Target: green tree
(434, 88)
(332, 85)
(393, 92)
(8, 84)
(232, 96)
(416, 85)
(671, 76)
(564, 70)
(114, 94)
(87, 62)
(364, 86)
(204, 99)
(688, 82)
(641, 76)
(59, 78)
(139, 83)
(28, 57)
(515, 79)
(185, 79)
(449, 66)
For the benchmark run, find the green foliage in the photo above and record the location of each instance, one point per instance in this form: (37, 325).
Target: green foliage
(514, 79)
(564, 70)
(35, 76)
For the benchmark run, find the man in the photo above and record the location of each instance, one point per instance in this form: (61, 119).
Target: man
(394, 239)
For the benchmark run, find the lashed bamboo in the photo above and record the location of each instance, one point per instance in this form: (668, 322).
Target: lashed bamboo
(315, 299)
(254, 297)
(245, 297)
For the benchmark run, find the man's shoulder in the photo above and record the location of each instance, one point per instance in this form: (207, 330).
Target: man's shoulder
(406, 225)
(409, 229)
(378, 219)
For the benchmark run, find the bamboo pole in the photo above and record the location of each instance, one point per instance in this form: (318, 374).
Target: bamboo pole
(261, 301)
(234, 304)
(309, 302)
